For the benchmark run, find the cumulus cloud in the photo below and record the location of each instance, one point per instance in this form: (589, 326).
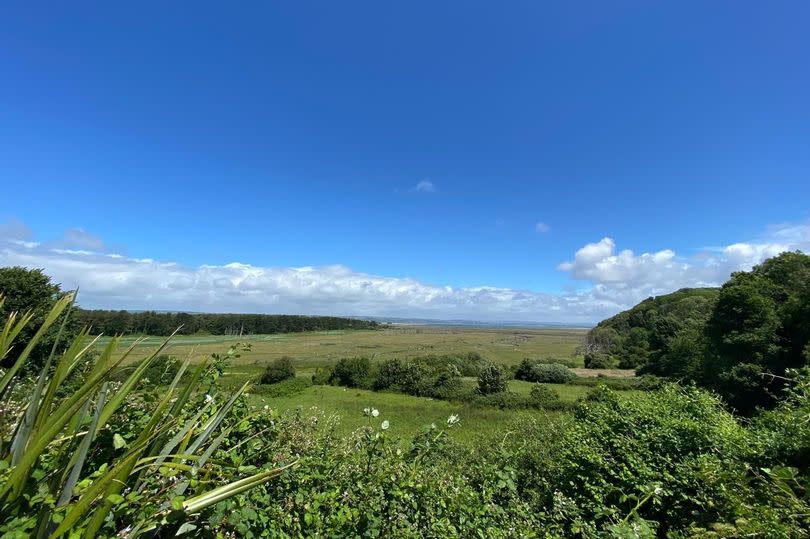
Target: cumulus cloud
(615, 280)
(624, 277)
(541, 228)
(425, 186)
(114, 281)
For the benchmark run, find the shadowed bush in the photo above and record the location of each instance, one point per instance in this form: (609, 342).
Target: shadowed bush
(278, 371)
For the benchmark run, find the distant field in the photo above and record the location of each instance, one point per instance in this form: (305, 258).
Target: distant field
(407, 414)
(315, 349)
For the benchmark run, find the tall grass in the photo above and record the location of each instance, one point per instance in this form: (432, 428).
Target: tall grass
(46, 489)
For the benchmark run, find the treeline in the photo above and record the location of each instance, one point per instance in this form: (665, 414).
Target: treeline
(155, 323)
(742, 340)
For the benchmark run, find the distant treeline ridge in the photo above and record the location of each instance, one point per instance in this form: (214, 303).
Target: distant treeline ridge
(155, 323)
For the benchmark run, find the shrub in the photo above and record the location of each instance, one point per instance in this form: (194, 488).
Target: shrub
(662, 446)
(447, 385)
(544, 396)
(646, 382)
(508, 400)
(547, 373)
(322, 376)
(598, 360)
(279, 370)
(491, 379)
(284, 388)
(406, 376)
(351, 372)
(465, 363)
(524, 369)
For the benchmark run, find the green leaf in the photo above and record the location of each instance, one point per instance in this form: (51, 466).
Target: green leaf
(177, 503)
(115, 499)
(118, 441)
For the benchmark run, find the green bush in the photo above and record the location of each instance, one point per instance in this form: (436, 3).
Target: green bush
(322, 376)
(464, 363)
(547, 373)
(491, 379)
(352, 372)
(664, 444)
(447, 385)
(598, 360)
(278, 371)
(406, 376)
(285, 388)
(646, 382)
(544, 396)
(508, 400)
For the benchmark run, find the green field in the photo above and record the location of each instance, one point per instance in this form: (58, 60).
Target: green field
(315, 349)
(407, 414)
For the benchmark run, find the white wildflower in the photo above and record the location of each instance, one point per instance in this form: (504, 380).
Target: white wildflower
(374, 412)
(384, 425)
(452, 420)
(208, 398)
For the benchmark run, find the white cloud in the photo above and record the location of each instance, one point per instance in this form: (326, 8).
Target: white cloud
(541, 228)
(615, 280)
(425, 186)
(625, 278)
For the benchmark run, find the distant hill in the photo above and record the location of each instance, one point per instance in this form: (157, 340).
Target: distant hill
(630, 338)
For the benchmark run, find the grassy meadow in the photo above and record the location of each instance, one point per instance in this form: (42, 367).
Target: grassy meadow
(315, 349)
(407, 414)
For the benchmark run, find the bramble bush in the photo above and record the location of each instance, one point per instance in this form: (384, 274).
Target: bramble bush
(277, 371)
(352, 372)
(491, 379)
(548, 373)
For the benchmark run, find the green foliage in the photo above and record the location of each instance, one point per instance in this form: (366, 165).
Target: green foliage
(646, 382)
(277, 371)
(352, 372)
(545, 397)
(673, 458)
(30, 291)
(162, 370)
(99, 457)
(285, 388)
(642, 336)
(738, 340)
(428, 376)
(491, 379)
(598, 360)
(759, 327)
(409, 377)
(549, 373)
(322, 376)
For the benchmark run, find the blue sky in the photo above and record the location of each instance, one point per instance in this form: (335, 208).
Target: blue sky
(281, 135)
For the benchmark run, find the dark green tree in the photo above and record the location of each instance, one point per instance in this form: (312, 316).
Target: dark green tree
(30, 290)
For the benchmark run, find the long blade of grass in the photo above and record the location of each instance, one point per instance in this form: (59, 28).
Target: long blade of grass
(24, 429)
(53, 426)
(84, 447)
(131, 382)
(214, 423)
(52, 316)
(198, 503)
